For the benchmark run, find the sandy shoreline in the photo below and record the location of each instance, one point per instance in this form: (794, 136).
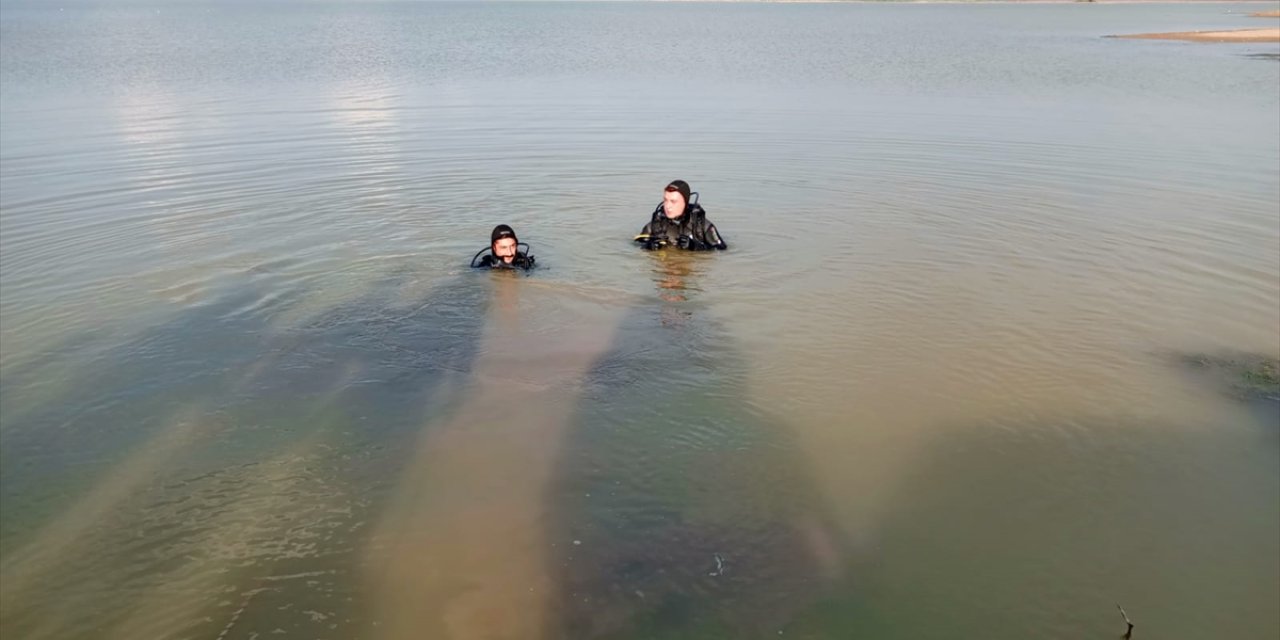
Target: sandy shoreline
(1237, 35)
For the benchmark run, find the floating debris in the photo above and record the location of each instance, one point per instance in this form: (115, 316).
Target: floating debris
(719, 566)
(1128, 633)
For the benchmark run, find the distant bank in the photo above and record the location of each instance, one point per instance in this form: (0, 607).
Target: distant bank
(1271, 34)
(1239, 35)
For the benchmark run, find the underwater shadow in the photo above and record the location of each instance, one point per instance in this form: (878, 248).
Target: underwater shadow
(1013, 529)
(196, 458)
(678, 508)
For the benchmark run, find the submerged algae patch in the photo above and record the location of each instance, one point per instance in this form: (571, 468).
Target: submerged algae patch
(1245, 376)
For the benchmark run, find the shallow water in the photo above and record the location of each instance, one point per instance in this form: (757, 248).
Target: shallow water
(937, 387)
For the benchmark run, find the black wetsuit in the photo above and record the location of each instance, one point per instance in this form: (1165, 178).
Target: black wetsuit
(692, 231)
(521, 261)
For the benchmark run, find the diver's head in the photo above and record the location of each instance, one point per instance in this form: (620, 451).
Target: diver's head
(675, 198)
(504, 243)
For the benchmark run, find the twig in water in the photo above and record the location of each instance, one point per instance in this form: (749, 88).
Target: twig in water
(1128, 633)
(719, 566)
(235, 617)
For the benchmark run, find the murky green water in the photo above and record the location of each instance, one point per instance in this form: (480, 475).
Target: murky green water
(943, 385)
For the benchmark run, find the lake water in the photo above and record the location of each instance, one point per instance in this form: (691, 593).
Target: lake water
(937, 388)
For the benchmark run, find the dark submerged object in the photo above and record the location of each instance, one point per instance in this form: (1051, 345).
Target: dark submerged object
(1246, 376)
(695, 513)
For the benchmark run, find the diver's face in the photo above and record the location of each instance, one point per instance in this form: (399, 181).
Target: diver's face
(505, 249)
(672, 204)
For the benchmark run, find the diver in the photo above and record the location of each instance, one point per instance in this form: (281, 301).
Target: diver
(504, 251)
(680, 223)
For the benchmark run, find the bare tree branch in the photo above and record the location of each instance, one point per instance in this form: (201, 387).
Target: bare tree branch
(1128, 633)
